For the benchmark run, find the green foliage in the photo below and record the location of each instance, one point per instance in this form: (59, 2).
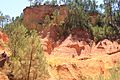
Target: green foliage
(81, 11)
(47, 2)
(51, 19)
(4, 19)
(55, 17)
(102, 32)
(53, 2)
(47, 21)
(28, 61)
(77, 17)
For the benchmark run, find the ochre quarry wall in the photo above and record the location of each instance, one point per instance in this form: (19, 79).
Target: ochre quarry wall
(72, 58)
(34, 16)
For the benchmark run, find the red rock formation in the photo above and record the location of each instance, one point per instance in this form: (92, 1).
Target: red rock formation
(34, 16)
(72, 57)
(4, 50)
(69, 48)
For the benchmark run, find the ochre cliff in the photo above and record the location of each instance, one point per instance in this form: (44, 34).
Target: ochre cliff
(34, 16)
(74, 59)
(71, 57)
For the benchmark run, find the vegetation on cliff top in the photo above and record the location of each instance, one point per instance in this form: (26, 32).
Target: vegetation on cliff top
(102, 21)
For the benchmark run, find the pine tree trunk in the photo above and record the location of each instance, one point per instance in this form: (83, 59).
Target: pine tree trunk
(31, 57)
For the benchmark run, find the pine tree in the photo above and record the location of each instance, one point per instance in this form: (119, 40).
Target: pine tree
(27, 61)
(30, 2)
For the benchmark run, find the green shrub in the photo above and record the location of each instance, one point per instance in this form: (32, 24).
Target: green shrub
(76, 17)
(27, 61)
(102, 32)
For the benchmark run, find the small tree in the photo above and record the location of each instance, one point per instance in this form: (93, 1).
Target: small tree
(1, 19)
(101, 7)
(4, 19)
(108, 12)
(30, 2)
(77, 17)
(47, 2)
(38, 2)
(27, 61)
(54, 2)
(94, 6)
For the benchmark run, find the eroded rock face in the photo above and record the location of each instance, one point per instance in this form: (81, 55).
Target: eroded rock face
(69, 47)
(74, 59)
(47, 45)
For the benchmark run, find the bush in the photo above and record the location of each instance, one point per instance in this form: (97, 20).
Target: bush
(27, 61)
(77, 17)
(102, 32)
